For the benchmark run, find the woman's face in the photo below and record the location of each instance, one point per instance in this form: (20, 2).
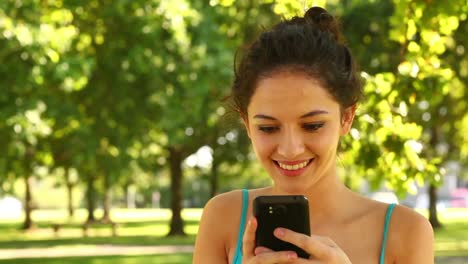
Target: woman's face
(295, 125)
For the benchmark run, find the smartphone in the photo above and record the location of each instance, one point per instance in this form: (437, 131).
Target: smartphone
(288, 211)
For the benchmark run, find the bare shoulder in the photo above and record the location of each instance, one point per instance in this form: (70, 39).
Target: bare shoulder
(410, 224)
(409, 218)
(224, 201)
(223, 210)
(410, 237)
(218, 225)
(225, 207)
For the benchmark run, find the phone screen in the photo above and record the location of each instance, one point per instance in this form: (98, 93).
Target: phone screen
(287, 211)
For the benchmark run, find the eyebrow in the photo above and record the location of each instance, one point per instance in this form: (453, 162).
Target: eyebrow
(309, 114)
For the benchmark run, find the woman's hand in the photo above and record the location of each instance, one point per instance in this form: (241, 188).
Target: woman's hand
(321, 249)
(261, 255)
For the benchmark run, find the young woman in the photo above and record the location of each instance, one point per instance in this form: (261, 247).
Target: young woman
(297, 89)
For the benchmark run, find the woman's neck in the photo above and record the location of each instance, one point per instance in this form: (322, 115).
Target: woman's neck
(328, 198)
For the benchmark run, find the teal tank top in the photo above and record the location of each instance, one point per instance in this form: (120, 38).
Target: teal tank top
(245, 205)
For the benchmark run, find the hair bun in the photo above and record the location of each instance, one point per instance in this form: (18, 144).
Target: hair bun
(326, 22)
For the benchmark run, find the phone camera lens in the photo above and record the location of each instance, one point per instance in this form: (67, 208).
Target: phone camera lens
(280, 210)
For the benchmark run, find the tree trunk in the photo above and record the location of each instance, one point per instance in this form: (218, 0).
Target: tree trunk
(433, 217)
(107, 200)
(71, 209)
(175, 159)
(90, 197)
(28, 206)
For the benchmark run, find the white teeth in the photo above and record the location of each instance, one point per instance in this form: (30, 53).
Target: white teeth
(295, 166)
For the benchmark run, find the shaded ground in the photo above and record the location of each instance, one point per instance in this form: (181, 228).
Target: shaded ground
(451, 260)
(121, 250)
(87, 250)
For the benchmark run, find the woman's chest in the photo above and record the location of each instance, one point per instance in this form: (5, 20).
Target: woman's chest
(362, 243)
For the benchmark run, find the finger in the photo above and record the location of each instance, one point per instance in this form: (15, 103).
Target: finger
(261, 250)
(307, 261)
(316, 246)
(248, 240)
(276, 257)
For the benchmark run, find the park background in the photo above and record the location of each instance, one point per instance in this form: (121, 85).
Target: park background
(115, 131)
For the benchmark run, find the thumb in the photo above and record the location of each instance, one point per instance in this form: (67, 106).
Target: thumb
(261, 250)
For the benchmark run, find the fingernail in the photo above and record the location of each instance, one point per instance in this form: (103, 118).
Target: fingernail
(292, 255)
(257, 251)
(279, 232)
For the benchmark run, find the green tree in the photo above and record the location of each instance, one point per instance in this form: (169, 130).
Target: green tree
(410, 54)
(120, 41)
(198, 73)
(31, 46)
(427, 79)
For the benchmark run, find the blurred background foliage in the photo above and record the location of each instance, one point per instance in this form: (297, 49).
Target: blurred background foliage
(111, 101)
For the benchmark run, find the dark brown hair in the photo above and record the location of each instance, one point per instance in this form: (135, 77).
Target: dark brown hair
(312, 45)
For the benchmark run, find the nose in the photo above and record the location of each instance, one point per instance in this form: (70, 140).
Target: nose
(291, 144)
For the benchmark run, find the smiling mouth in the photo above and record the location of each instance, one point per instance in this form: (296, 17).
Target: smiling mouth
(293, 167)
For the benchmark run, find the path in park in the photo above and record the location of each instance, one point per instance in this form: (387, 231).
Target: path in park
(115, 250)
(95, 250)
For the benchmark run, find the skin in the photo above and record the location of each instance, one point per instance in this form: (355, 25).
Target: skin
(346, 227)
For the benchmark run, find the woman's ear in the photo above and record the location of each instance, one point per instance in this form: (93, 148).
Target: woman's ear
(347, 119)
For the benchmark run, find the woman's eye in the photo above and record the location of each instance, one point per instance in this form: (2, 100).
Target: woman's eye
(268, 129)
(312, 126)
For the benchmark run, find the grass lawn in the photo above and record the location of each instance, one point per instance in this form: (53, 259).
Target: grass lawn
(148, 227)
(135, 227)
(452, 240)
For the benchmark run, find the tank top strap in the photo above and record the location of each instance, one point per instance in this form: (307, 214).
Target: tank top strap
(388, 215)
(245, 206)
